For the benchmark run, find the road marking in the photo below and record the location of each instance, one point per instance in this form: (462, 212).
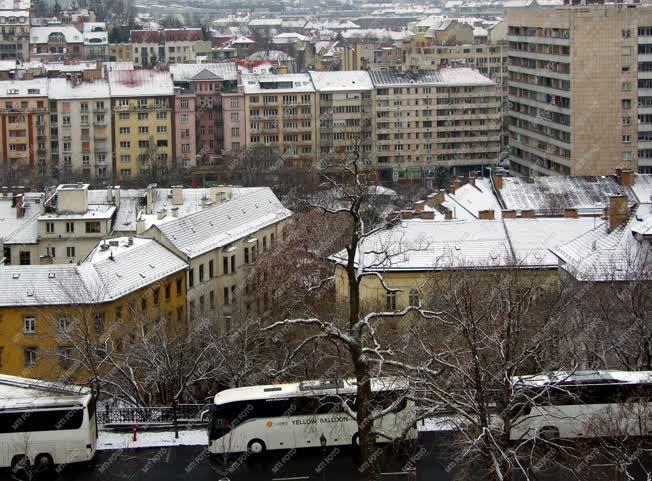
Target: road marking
(291, 479)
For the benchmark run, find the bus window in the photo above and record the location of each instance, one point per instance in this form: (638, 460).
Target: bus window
(30, 421)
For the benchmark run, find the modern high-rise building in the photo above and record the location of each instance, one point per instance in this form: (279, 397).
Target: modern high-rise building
(580, 89)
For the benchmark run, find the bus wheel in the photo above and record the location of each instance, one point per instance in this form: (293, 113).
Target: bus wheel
(256, 446)
(548, 433)
(356, 440)
(43, 463)
(19, 464)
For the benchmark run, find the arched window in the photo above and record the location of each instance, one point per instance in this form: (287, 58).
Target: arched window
(414, 297)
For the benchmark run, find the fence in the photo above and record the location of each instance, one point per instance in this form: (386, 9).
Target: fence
(185, 413)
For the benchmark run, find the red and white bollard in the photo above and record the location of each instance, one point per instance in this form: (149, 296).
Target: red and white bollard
(134, 433)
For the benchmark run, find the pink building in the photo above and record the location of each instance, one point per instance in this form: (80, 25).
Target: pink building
(233, 113)
(207, 82)
(184, 130)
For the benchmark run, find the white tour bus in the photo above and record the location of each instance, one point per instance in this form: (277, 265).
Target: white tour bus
(583, 404)
(44, 424)
(303, 415)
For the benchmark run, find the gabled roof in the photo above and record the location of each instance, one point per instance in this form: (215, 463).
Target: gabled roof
(218, 226)
(186, 72)
(140, 83)
(105, 275)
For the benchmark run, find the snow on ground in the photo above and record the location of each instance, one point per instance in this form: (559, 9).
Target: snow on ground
(439, 424)
(150, 439)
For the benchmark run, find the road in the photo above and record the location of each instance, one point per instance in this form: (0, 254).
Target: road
(433, 461)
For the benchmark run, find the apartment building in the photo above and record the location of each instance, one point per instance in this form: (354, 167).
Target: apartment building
(80, 115)
(345, 123)
(25, 125)
(233, 115)
(124, 282)
(14, 30)
(281, 114)
(151, 47)
(440, 118)
(143, 138)
(185, 145)
(219, 243)
(56, 42)
(207, 83)
(70, 226)
(96, 41)
(580, 90)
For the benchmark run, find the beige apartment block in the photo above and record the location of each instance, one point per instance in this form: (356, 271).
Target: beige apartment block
(431, 119)
(281, 115)
(580, 90)
(80, 115)
(345, 123)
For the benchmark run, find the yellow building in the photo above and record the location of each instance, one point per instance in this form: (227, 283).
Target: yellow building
(143, 135)
(121, 52)
(24, 125)
(123, 280)
(427, 247)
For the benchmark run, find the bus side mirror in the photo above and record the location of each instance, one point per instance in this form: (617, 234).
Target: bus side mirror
(204, 415)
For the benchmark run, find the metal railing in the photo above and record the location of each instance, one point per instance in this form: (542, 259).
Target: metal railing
(150, 415)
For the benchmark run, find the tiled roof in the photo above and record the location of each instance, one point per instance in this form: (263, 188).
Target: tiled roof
(217, 226)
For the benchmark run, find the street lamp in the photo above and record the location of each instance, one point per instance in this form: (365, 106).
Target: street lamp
(322, 441)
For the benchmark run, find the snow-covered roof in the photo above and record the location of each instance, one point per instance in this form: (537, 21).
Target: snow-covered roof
(42, 34)
(218, 226)
(94, 212)
(352, 80)
(184, 72)
(601, 255)
(562, 378)
(265, 22)
(15, 5)
(140, 83)
(288, 38)
(468, 200)
(261, 83)
(109, 66)
(425, 245)
(20, 230)
(377, 34)
(105, 275)
(642, 188)
(24, 88)
(94, 27)
(61, 89)
(275, 55)
(443, 76)
(434, 22)
(589, 195)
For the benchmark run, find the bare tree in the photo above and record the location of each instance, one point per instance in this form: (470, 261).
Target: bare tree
(352, 329)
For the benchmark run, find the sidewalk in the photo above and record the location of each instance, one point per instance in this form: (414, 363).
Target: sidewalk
(148, 439)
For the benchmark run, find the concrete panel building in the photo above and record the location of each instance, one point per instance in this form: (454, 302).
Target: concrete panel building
(81, 116)
(580, 90)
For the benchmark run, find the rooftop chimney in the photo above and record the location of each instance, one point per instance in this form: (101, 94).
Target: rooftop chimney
(160, 214)
(177, 195)
(570, 213)
(428, 214)
(509, 214)
(617, 211)
(435, 199)
(419, 206)
(406, 214)
(528, 214)
(487, 214)
(497, 180)
(20, 208)
(625, 177)
(174, 211)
